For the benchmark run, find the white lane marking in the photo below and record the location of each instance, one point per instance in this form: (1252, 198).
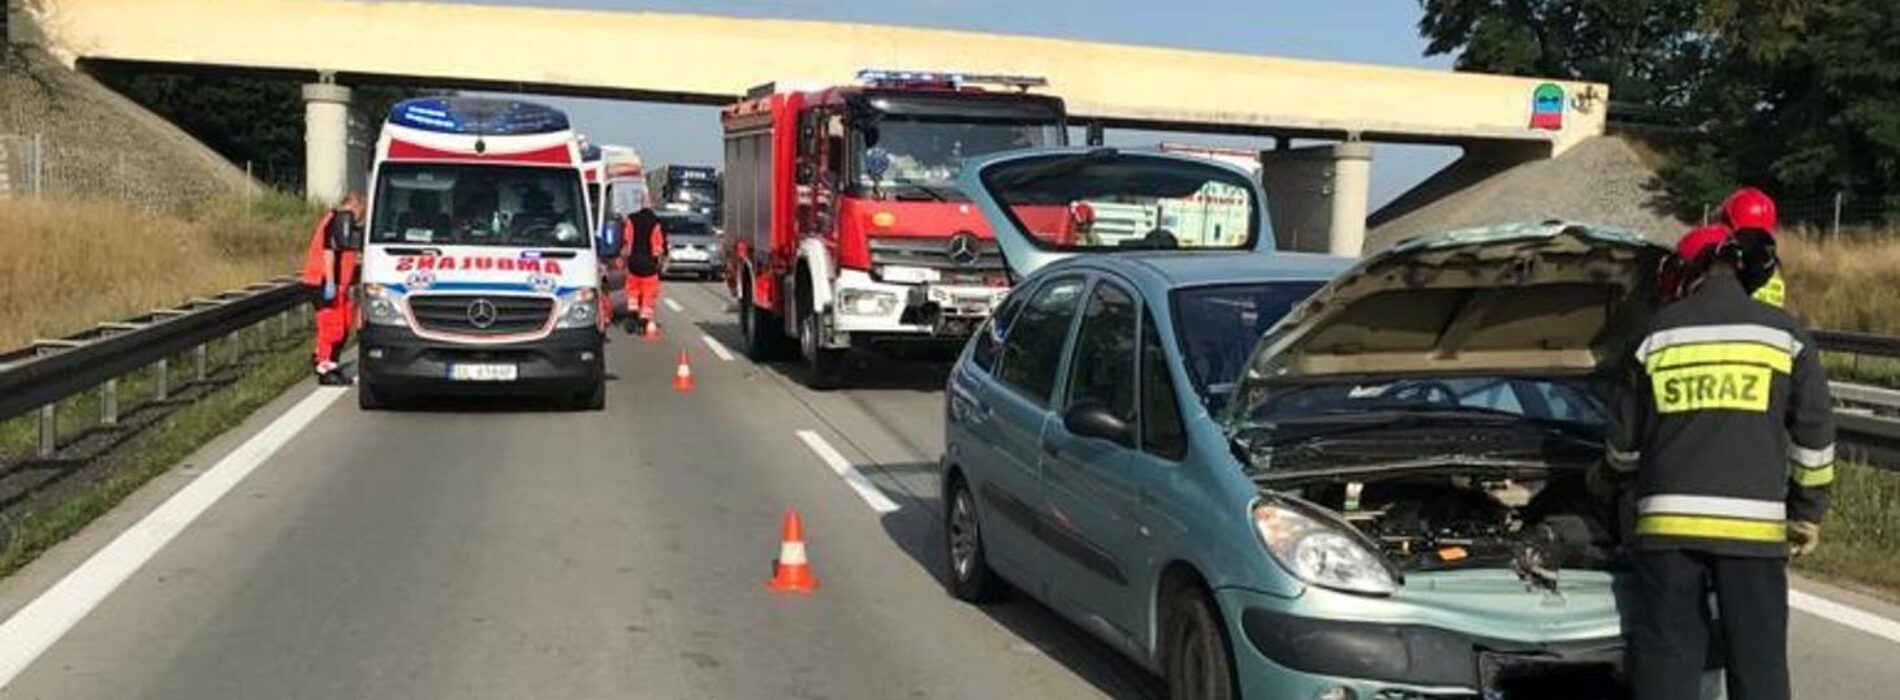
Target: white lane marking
(852, 477)
(674, 305)
(32, 630)
(718, 348)
(1844, 614)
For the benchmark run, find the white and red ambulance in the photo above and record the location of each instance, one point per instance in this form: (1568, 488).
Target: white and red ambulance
(480, 268)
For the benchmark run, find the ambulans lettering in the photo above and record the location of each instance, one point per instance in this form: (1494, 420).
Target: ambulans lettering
(1739, 387)
(450, 263)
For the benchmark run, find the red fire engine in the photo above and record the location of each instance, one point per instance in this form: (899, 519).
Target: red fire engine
(845, 224)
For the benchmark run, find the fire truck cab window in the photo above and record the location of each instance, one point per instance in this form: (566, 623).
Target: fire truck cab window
(834, 150)
(929, 154)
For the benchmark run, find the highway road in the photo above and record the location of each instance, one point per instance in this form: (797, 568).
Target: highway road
(501, 550)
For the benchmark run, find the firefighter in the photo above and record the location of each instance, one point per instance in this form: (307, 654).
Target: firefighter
(643, 243)
(1750, 213)
(1725, 429)
(329, 268)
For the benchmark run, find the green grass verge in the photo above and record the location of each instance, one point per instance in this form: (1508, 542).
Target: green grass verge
(1860, 542)
(1862, 369)
(151, 453)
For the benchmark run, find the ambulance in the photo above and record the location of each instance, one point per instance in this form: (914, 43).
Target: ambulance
(481, 271)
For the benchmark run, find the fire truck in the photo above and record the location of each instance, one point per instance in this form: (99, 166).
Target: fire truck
(845, 226)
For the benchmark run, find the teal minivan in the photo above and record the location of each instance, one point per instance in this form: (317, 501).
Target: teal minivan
(1278, 475)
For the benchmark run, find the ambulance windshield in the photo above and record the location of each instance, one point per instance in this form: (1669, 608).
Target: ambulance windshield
(447, 204)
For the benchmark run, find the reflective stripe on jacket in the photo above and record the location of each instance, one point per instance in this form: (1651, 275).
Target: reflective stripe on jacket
(1724, 415)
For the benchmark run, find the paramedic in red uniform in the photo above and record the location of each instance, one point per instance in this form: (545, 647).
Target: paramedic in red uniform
(643, 243)
(329, 268)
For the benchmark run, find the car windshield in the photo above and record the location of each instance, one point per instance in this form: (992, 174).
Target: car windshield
(682, 226)
(1106, 200)
(922, 158)
(444, 204)
(1568, 402)
(1218, 326)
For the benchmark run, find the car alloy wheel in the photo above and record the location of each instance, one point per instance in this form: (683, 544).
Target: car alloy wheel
(1198, 665)
(971, 578)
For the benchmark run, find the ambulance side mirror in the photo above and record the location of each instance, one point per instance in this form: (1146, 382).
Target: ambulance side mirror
(343, 231)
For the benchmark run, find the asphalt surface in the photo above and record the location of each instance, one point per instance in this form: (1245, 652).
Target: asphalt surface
(507, 550)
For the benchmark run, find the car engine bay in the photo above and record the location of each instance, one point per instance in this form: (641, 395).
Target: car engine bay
(1429, 520)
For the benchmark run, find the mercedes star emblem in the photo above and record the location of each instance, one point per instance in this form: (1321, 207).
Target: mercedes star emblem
(963, 249)
(482, 313)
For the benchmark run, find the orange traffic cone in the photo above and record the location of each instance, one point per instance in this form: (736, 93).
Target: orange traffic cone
(683, 375)
(791, 571)
(653, 329)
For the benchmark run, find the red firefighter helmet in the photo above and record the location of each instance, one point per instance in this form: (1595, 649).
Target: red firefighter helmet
(1701, 241)
(1694, 251)
(1749, 208)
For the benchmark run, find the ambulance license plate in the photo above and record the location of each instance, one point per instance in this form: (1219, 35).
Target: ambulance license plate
(482, 373)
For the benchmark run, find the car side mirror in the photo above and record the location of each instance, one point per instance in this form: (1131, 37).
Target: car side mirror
(342, 231)
(1094, 419)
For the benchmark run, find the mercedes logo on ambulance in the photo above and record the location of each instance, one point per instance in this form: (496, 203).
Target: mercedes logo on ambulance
(963, 249)
(482, 313)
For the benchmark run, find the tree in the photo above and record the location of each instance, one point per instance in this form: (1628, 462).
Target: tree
(1799, 96)
(1648, 51)
(245, 118)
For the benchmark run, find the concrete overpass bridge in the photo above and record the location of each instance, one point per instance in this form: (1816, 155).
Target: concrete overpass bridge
(1319, 192)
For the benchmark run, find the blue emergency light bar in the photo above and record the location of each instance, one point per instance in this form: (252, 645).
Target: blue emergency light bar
(878, 77)
(479, 116)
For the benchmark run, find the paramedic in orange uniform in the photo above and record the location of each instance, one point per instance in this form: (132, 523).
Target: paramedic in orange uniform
(643, 243)
(329, 269)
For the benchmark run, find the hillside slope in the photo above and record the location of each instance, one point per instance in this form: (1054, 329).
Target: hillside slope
(1601, 180)
(100, 144)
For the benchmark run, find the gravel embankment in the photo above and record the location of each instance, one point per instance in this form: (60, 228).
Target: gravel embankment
(1601, 181)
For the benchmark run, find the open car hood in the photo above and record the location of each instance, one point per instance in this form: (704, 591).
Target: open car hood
(1549, 299)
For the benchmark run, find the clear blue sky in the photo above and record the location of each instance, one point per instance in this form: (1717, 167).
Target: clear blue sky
(1366, 31)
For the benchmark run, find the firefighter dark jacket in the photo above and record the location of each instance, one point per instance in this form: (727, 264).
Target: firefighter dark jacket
(1725, 420)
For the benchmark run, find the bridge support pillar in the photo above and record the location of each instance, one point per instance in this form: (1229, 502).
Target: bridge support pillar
(326, 119)
(1317, 196)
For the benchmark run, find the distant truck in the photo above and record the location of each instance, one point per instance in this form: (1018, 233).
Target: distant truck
(843, 220)
(690, 188)
(480, 273)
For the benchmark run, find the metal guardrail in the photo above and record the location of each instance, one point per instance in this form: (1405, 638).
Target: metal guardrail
(1867, 417)
(39, 376)
(1859, 343)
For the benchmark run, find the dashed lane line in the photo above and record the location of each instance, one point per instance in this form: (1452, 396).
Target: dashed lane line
(717, 347)
(34, 629)
(852, 477)
(674, 305)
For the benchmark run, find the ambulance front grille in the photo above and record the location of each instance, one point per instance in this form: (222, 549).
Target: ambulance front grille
(480, 315)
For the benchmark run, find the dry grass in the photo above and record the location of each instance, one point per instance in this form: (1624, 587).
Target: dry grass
(1844, 285)
(69, 264)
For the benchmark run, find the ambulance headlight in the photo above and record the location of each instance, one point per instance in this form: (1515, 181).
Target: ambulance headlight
(866, 302)
(583, 311)
(381, 309)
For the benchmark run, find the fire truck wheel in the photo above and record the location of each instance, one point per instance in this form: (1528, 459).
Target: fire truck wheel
(822, 365)
(759, 326)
